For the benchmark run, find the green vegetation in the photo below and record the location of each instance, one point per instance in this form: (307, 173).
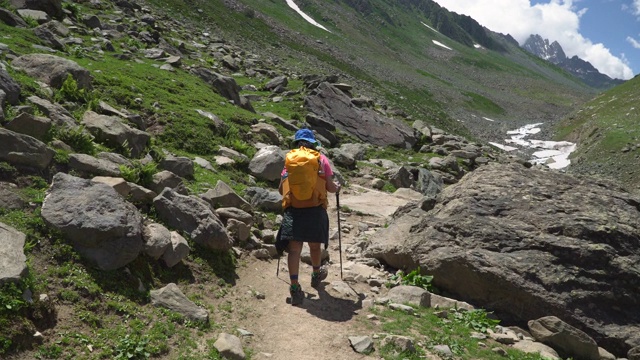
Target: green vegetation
(414, 278)
(606, 132)
(429, 330)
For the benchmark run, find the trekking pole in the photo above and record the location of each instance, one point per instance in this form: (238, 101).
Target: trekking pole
(339, 230)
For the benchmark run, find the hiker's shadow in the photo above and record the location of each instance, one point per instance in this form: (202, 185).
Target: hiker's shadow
(330, 308)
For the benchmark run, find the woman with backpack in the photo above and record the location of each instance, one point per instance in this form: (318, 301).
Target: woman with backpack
(305, 181)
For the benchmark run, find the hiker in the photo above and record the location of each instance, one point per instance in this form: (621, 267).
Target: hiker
(306, 221)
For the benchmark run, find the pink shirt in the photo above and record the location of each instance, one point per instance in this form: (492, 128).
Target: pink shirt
(324, 162)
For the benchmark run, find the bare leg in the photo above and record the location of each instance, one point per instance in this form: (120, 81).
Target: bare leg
(316, 255)
(293, 260)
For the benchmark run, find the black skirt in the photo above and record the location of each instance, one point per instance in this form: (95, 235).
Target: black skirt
(304, 225)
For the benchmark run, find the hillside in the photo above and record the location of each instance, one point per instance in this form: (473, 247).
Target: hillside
(141, 146)
(606, 131)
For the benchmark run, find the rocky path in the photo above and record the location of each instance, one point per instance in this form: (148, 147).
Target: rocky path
(320, 328)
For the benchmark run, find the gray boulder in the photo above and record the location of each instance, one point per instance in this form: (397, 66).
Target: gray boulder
(166, 179)
(428, 183)
(234, 213)
(229, 347)
(193, 216)
(52, 7)
(332, 104)
(172, 298)
(225, 86)
(267, 163)
(34, 126)
(279, 81)
(13, 262)
(12, 19)
(59, 115)
(224, 196)
(24, 150)
(10, 198)
(102, 226)
(53, 70)
(178, 250)
(565, 338)
(179, 165)
(88, 165)
(412, 295)
(264, 199)
(113, 132)
(555, 242)
(157, 239)
(10, 87)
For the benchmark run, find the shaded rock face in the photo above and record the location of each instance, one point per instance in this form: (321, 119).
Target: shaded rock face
(335, 106)
(102, 226)
(51, 7)
(529, 243)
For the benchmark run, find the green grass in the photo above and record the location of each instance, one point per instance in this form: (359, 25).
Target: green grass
(483, 104)
(428, 330)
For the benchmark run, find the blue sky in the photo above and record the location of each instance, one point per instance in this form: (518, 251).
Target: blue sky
(604, 32)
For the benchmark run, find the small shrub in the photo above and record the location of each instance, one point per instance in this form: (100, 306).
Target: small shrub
(476, 320)
(414, 278)
(71, 92)
(131, 348)
(80, 140)
(141, 174)
(73, 8)
(31, 22)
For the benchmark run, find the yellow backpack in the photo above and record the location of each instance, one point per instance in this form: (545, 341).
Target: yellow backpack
(305, 184)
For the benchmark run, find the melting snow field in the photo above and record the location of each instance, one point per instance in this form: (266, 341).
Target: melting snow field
(555, 154)
(305, 16)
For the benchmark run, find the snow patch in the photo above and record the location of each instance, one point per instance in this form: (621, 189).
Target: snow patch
(554, 154)
(441, 44)
(305, 16)
(486, 118)
(428, 26)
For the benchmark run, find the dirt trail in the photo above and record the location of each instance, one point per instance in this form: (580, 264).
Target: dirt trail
(319, 329)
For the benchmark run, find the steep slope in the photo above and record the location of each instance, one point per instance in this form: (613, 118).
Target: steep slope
(607, 133)
(394, 50)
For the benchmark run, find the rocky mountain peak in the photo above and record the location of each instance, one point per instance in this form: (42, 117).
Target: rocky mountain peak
(554, 53)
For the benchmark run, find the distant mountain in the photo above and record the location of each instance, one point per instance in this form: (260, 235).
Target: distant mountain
(553, 53)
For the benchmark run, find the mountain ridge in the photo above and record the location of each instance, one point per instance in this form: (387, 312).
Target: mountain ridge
(582, 69)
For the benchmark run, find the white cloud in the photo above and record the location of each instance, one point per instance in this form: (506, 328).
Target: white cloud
(557, 20)
(635, 43)
(636, 7)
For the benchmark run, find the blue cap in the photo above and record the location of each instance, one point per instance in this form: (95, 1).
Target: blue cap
(306, 135)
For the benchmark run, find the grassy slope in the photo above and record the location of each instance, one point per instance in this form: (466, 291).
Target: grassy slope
(403, 65)
(607, 132)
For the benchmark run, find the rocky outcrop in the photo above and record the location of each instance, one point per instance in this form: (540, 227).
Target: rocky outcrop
(529, 243)
(53, 70)
(172, 298)
(267, 163)
(193, 216)
(100, 224)
(112, 131)
(10, 87)
(52, 7)
(24, 150)
(225, 86)
(333, 105)
(13, 262)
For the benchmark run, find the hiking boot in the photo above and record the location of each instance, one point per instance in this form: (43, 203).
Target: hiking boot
(317, 277)
(297, 296)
